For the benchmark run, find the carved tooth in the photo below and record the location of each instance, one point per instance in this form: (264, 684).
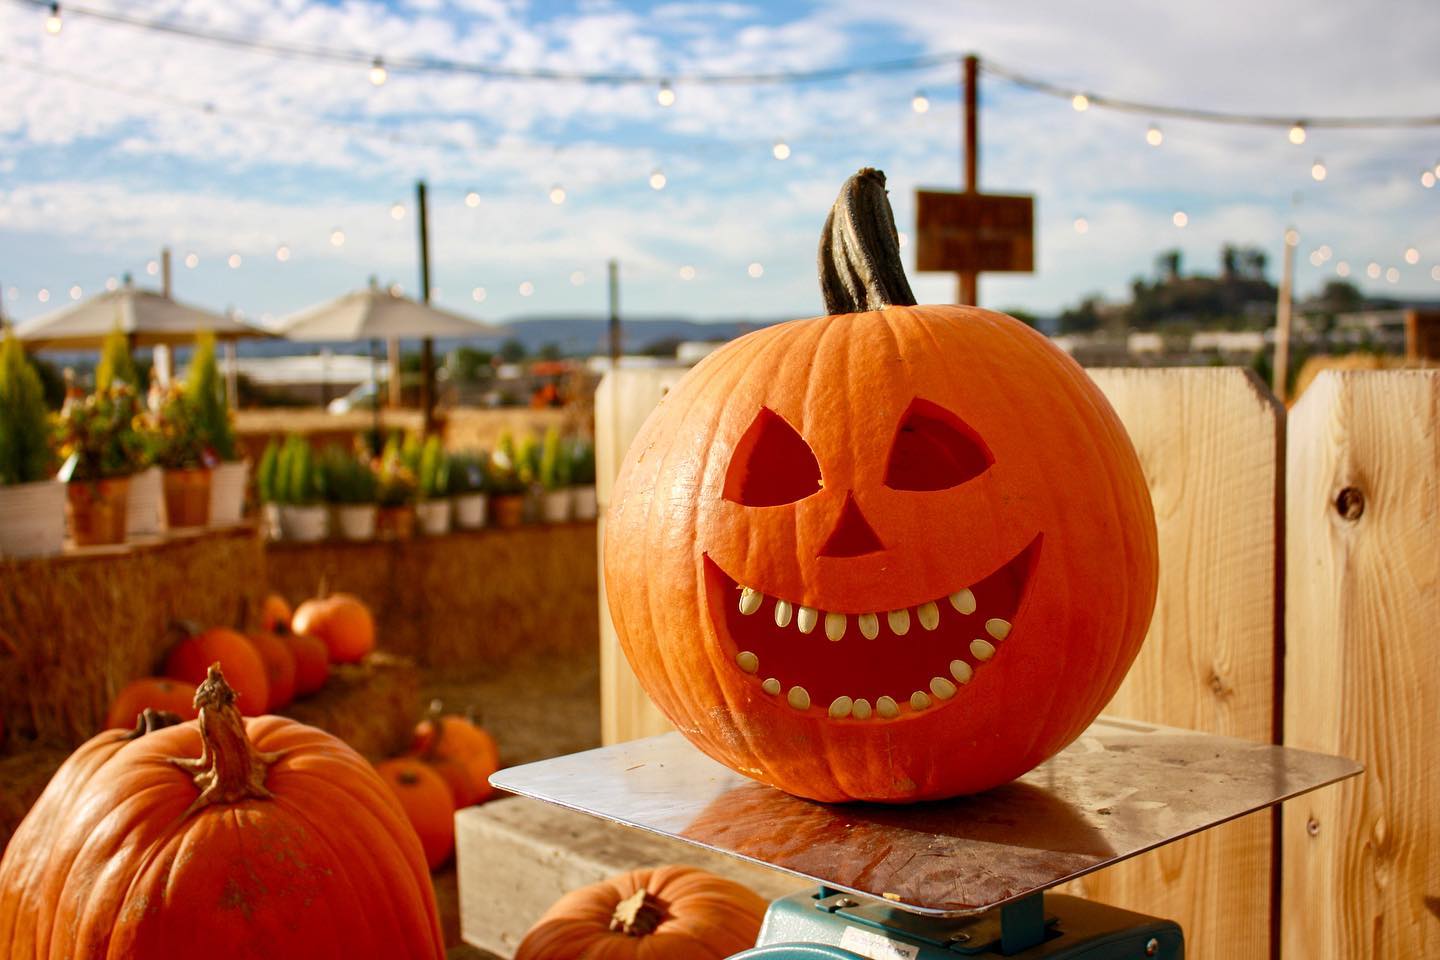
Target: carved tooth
(750, 600)
(929, 615)
(771, 686)
(885, 706)
(942, 688)
(799, 698)
(963, 601)
(747, 661)
(919, 700)
(982, 649)
(869, 625)
(997, 628)
(840, 708)
(899, 621)
(783, 613)
(835, 625)
(861, 709)
(961, 671)
(806, 619)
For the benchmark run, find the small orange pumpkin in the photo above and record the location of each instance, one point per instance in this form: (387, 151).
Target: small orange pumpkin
(343, 623)
(669, 913)
(312, 663)
(425, 798)
(156, 693)
(280, 666)
(190, 660)
(465, 755)
(275, 614)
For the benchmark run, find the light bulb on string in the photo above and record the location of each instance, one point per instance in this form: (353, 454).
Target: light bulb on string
(665, 96)
(337, 237)
(1342, 269)
(1315, 258)
(920, 103)
(1317, 170)
(1435, 273)
(657, 179)
(557, 194)
(1436, 169)
(1297, 133)
(1180, 218)
(1427, 179)
(43, 295)
(1372, 270)
(192, 260)
(1292, 237)
(1082, 225)
(781, 150)
(282, 253)
(1392, 275)
(53, 23)
(756, 270)
(378, 73)
(1412, 256)
(1080, 102)
(687, 272)
(1153, 136)
(472, 199)
(76, 293)
(397, 211)
(234, 261)
(152, 267)
(526, 288)
(478, 294)
(577, 278)
(1325, 251)
(112, 284)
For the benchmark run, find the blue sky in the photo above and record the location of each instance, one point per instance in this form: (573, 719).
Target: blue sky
(105, 155)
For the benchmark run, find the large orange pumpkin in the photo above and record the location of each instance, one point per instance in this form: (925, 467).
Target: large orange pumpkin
(157, 693)
(895, 553)
(425, 797)
(342, 622)
(190, 660)
(275, 614)
(669, 913)
(312, 663)
(279, 659)
(235, 839)
(464, 754)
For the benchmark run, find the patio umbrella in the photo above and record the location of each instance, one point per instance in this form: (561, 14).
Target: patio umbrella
(147, 317)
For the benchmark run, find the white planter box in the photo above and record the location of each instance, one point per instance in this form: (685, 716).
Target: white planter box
(304, 524)
(584, 502)
(433, 517)
(555, 505)
(270, 516)
(32, 519)
(145, 509)
(356, 521)
(470, 511)
(227, 493)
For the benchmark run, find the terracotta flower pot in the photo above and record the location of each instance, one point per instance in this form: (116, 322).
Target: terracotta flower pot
(396, 523)
(508, 509)
(97, 510)
(187, 497)
(32, 519)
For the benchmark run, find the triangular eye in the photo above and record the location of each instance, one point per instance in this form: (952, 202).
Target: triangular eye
(772, 464)
(934, 450)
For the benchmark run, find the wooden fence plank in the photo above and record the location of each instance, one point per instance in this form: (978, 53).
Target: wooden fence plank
(1361, 872)
(1210, 441)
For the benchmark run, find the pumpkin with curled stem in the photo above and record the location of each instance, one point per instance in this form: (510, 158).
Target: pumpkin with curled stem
(894, 553)
(222, 836)
(463, 753)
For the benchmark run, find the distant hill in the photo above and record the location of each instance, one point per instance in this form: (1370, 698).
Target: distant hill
(591, 334)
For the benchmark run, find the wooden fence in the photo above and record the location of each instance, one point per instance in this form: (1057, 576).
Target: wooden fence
(1299, 603)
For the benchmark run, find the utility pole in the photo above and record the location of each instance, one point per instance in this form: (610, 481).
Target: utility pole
(968, 287)
(427, 345)
(614, 314)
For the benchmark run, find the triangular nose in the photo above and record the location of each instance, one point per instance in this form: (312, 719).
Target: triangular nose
(853, 535)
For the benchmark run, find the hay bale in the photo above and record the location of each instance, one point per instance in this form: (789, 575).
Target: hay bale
(372, 705)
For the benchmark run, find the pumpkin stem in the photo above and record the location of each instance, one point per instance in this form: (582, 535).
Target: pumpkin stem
(639, 914)
(149, 720)
(229, 768)
(860, 266)
(436, 716)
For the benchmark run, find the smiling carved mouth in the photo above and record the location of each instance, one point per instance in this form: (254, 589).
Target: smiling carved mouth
(868, 666)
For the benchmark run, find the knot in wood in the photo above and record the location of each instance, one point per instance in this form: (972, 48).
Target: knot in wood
(1350, 503)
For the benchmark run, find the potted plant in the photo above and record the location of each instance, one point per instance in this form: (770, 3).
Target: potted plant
(267, 475)
(582, 476)
(351, 488)
(507, 487)
(102, 444)
(395, 494)
(32, 503)
(217, 430)
(182, 450)
(467, 488)
(145, 508)
(432, 476)
(297, 489)
(554, 475)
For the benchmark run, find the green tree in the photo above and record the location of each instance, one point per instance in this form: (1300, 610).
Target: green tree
(25, 454)
(207, 396)
(116, 363)
(513, 351)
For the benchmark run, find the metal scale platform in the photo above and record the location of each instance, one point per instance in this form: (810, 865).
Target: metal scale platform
(962, 877)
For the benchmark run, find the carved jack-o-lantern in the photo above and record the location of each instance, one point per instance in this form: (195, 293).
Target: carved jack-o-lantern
(894, 553)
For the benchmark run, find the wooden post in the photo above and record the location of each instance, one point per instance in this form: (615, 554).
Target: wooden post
(1361, 871)
(427, 344)
(165, 288)
(1279, 376)
(392, 356)
(615, 344)
(1211, 444)
(968, 284)
(161, 357)
(232, 375)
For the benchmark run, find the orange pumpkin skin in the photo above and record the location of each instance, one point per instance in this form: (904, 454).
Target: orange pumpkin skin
(109, 864)
(341, 622)
(312, 663)
(1055, 532)
(703, 917)
(425, 798)
(157, 693)
(241, 662)
(464, 755)
(275, 614)
(279, 660)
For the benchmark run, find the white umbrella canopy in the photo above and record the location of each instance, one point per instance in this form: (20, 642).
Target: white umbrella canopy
(375, 314)
(147, 317)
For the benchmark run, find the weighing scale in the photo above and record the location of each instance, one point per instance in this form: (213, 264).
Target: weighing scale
(961, 877)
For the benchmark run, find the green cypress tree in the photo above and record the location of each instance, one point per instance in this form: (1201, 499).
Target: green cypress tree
(25, 453)
(116, 363)
(207, 393)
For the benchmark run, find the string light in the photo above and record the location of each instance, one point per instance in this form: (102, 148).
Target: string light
(1372, 270)
(152, 268)
(577, 278)
(43, 296)
(1342, 269)
(1325, 251)
(557, 194)
(1180, 219)
(396, 290)
(282, 253)
(1392, 275)
(478, 294)
(112, 284)
(1436, 168)
(1082, 225)
(234, 261)
(657, 179)
(1435, 273)
(1153, 136)
(337, 237)
(1297, 134)
(1292, 237)
(1427, 179)
(53, 23)
(687, 272)
(665, 96)
(378, 73)
(781, 150)
(1315, 258)
(1317, 170)
(920, 103)
(192, 261)
(1080, 102)
(1412, 256)
(472, 199)
(76, 293)
(397, 211)
(526, 288)
(755, 270)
